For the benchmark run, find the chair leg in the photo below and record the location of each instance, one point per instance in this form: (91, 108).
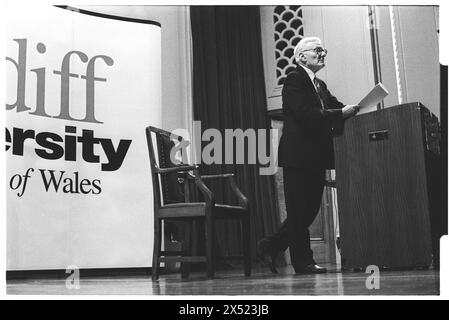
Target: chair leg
(246, 245)
(209, 248)
(156, 250)
(187, 248)
(185, 270)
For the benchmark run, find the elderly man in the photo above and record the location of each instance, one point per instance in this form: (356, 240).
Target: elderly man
(311, 113)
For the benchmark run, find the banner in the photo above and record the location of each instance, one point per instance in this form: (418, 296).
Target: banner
(81, 88)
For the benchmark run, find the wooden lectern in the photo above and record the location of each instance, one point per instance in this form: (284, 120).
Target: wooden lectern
(389, 187)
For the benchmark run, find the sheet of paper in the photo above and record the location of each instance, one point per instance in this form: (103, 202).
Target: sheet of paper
(376, 95)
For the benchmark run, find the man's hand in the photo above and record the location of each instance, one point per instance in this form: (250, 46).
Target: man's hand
(350, 110)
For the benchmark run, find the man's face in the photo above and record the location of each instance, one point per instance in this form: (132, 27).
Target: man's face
(313, 56)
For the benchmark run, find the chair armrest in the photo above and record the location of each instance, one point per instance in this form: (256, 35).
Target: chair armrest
(207, 193)
(217, 176)
(176, 169)
(242, 199)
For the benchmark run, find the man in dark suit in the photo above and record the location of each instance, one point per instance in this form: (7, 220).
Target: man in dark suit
(311, 114)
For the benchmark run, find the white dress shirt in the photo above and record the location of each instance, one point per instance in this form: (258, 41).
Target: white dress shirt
(311, 75)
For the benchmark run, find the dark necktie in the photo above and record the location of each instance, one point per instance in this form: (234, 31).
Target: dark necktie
(320, 92)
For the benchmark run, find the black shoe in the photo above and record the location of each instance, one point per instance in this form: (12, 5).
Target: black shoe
(310, 269)
(267, 255)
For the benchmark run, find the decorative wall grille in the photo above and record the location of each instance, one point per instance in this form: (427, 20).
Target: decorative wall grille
(288, 30)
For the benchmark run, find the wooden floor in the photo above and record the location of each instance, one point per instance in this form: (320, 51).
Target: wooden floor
(410, 282)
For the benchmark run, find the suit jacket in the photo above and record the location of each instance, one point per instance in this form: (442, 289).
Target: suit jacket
(306, 140)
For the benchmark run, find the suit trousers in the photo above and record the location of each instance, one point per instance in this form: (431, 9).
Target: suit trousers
(303, 189)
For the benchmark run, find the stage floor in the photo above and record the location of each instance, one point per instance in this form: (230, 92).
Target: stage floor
(263, 283)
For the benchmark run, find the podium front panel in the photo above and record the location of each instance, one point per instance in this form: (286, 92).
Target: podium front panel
(383, 189)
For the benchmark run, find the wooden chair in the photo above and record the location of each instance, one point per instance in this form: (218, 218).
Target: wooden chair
(172, 202)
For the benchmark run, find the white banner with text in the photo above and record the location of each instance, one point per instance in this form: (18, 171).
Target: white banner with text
(81, 88)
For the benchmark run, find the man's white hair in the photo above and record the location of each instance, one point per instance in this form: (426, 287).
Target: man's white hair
(304, 45)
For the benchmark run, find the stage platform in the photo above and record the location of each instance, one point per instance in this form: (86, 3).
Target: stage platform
(232, 282)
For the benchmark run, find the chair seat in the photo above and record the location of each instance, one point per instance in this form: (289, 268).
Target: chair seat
(198, 209)
(182, 210)
(223, 211)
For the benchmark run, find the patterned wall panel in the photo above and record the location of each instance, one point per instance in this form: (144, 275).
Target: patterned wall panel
(288, 30)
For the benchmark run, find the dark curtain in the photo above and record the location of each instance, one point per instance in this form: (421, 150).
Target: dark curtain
(229, 93)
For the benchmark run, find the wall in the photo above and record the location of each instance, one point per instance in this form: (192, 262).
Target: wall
(176, 57)
(416, 46)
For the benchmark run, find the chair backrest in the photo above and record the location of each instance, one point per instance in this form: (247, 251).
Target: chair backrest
(167, 185)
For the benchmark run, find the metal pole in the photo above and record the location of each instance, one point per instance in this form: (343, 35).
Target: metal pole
(375, 48)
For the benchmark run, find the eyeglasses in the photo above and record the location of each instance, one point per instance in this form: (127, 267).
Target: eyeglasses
(318, 50)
